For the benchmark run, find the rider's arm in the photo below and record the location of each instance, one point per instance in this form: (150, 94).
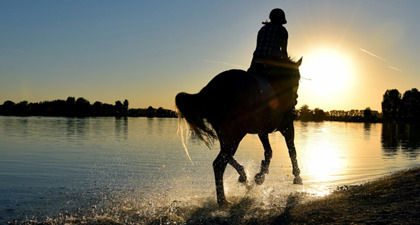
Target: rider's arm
(284, 54)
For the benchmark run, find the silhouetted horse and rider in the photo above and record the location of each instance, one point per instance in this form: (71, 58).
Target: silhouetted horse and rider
(258, 101)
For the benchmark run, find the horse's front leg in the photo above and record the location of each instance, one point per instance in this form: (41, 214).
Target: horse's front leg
(268, 154)
(240, 169)
(289, 134)
(227, 150)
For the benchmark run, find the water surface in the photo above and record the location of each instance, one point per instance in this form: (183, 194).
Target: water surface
(134, 170)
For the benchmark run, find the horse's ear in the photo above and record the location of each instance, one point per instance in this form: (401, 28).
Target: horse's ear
(299, 62)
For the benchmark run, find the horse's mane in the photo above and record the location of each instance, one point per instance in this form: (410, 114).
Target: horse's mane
(275, 70)
(291, 60)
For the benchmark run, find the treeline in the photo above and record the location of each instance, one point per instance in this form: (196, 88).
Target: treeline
(396, 108)
(80, 107)
(304, 113)
(399, 108)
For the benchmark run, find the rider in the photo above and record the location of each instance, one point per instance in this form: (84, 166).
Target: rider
(270, 57)
(271, 42)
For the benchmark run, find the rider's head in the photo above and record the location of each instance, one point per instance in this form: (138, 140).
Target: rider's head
(278, 16)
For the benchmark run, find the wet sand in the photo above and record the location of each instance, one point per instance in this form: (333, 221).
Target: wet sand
(390, 200)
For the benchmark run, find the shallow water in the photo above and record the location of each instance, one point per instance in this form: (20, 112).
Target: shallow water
(135, 170)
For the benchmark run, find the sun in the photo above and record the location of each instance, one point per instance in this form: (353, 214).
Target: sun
(329, 71)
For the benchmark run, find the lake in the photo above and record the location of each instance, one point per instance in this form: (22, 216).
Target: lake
(135, 170)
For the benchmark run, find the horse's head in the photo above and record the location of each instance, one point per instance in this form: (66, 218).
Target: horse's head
(296, 86)
(286, 81)
(291, 63)
(299, 62)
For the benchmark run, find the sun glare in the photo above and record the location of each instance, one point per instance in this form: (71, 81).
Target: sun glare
(329, 71)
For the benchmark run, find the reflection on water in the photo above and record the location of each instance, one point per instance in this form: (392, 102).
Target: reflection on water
(403, 138)
(121, 127)
(76, 128)
(366, 129)
(333, 153)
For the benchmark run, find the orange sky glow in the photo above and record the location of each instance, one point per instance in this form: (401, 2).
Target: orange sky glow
(353, 51)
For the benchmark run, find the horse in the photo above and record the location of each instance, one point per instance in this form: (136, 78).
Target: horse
(235, 103)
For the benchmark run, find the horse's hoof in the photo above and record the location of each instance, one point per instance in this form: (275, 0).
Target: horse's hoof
(242, 179)
(259, 178)
(297, 180)
(224, 203)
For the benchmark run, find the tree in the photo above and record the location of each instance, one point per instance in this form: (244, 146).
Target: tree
(151, 111)
(367, 114)
(118, 108)
(319, 115)
(8, 108)
(305, 114)
(82, 107)
(108, 110)
(97, 109)
(22, 108)
(125, 108)
(70, 108)
(410, 106)
(391, 105)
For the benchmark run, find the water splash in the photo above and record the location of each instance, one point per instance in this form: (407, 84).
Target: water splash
(250, 204)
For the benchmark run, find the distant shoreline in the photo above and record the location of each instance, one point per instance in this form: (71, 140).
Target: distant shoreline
(80, 107)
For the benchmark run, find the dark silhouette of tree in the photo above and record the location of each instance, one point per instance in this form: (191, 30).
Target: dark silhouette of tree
(368, 115)
(8, 108)
(54, 108)
(137, 112)
(410, 107)
(151, 111)
(319, 115)
(305, 114)
(160, 112)
(82, 107)
(97, 109)
(125, 108)
(22, 108)
(70, 108)
(119, 108)
(108, 110)
(391, 105)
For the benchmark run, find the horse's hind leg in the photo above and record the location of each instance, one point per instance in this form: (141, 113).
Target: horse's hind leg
(289, 134)
(240, 169)
(268, 154)
(228, 148)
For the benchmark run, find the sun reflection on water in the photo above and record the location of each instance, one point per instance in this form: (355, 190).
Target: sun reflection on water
(323, 164)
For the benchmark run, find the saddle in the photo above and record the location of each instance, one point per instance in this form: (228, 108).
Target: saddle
(277, 73)
(273, 69)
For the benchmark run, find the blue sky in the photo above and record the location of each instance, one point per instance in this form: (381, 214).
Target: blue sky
(148, 51)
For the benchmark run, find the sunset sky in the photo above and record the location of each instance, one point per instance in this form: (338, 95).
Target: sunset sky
(148, 51)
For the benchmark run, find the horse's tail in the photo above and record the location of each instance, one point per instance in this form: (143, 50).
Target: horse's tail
(191, 108)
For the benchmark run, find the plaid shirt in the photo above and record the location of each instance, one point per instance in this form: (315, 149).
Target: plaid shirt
(269, 40)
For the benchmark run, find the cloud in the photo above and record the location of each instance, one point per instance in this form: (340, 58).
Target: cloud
(394, 68)
(223, 63)
(382, 59)
(374, 55)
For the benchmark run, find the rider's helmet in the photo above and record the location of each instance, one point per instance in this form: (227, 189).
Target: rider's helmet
(277, 16)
